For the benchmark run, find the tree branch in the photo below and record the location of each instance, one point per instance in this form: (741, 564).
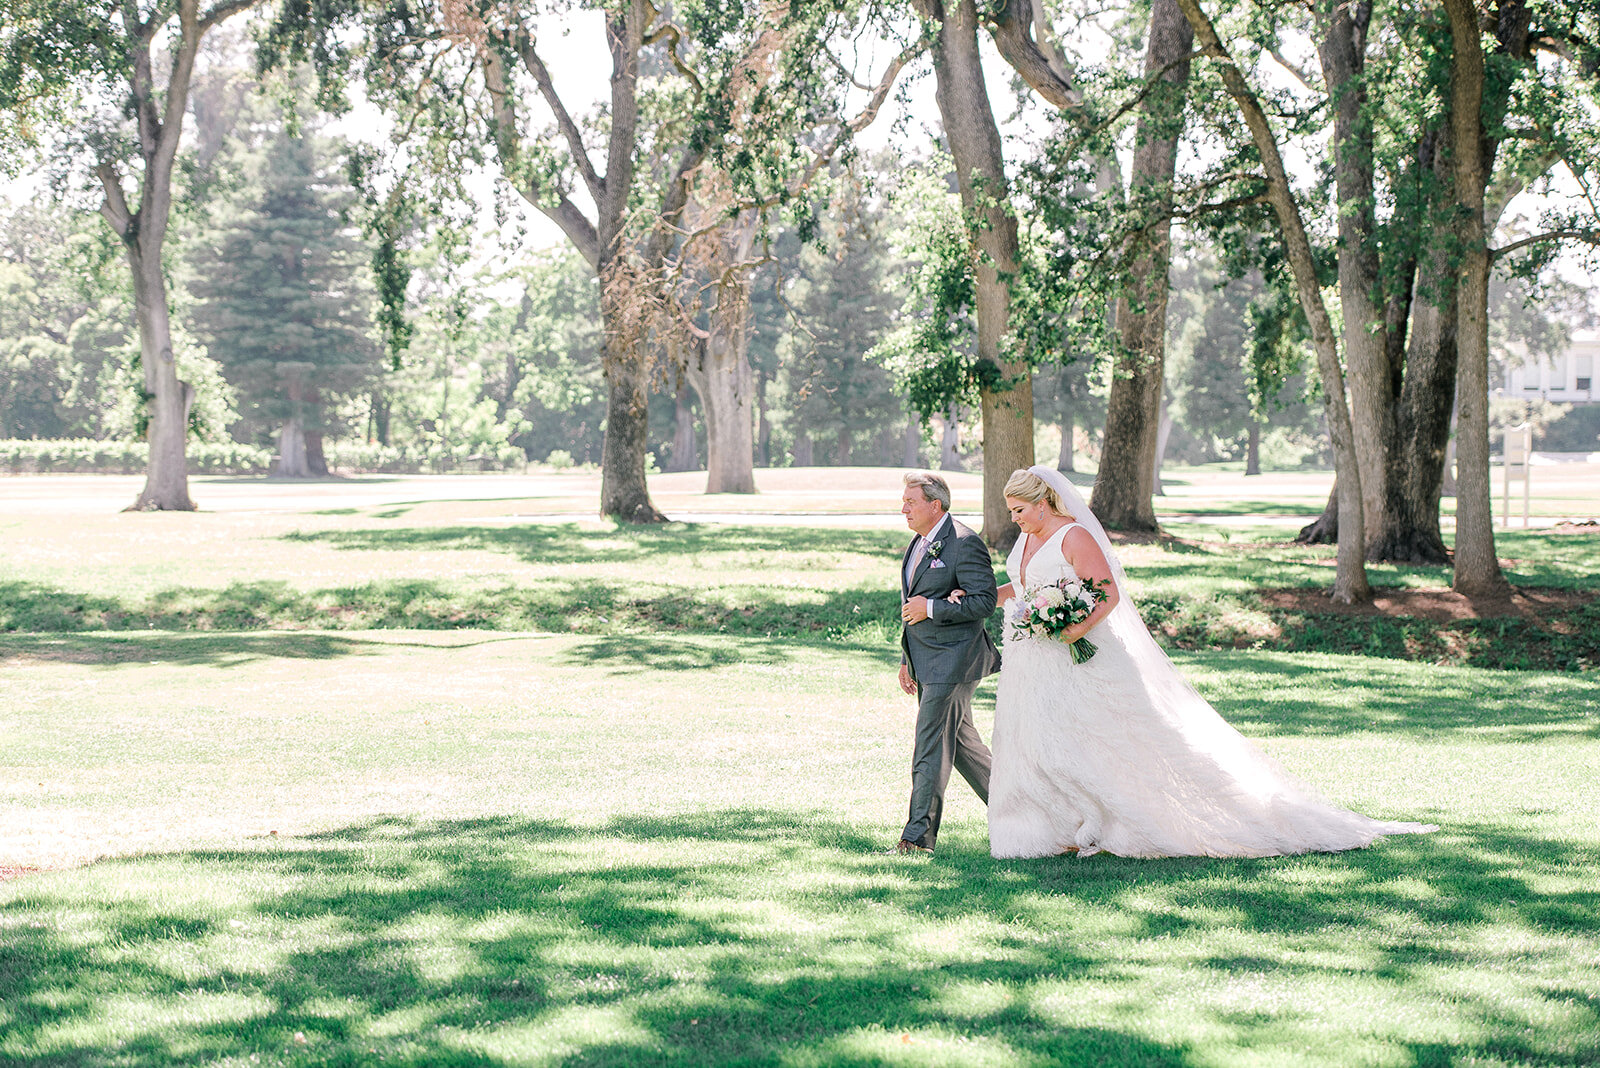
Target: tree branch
(1011, 29)
(115, 205)
(1562, 47)
(183, 59)
(1214, 207)
(1591, 237)
(140, 28)
(849, 76)
(669, 31)
(1299, 75)
(225, 9)
(569, 129)
(1150, 83)
(501, 101)
(565, 214)
(863, 119)
(1578, 176)
(869, 112)
(673, 203)
(1511, 181)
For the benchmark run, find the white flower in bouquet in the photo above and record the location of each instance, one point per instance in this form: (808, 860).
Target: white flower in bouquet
(1046, 611)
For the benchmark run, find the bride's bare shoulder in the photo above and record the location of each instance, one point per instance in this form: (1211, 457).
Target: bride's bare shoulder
(1079, 546)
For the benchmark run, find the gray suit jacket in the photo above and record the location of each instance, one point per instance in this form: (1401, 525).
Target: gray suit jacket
(952, 647)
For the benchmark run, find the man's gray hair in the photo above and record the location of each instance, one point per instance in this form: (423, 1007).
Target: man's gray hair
(933, 487)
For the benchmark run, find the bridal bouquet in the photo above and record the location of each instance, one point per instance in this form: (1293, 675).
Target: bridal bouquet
(1046, 611)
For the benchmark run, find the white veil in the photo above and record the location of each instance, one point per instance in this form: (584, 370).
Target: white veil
(1078, 509)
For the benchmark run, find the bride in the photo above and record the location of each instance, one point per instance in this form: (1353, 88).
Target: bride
(1120, 754)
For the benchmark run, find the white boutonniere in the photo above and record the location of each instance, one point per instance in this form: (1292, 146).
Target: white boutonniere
(934, 549)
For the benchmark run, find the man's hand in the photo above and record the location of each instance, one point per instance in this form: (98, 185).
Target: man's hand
(907, 683)
(914, 611)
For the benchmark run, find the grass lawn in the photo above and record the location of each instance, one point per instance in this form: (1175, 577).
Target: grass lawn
(444, 788)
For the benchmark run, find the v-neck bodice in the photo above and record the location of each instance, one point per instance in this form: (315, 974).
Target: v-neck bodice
(1051, 544)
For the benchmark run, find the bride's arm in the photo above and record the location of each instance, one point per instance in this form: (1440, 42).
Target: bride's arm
(1083, 553)
(1004, 594)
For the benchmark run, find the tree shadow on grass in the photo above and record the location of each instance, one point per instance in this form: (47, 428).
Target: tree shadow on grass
(627, 654)
(1284, 694)
(560, 604)
(567, 543)
(761, 937)
(213, 650)
(1167, 508)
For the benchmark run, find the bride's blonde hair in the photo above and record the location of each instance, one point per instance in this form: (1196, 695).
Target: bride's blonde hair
(1024, 485)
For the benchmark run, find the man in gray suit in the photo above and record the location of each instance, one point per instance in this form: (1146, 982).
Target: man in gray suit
(945, 652)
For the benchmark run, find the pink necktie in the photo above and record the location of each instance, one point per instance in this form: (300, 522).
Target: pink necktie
(916, 557)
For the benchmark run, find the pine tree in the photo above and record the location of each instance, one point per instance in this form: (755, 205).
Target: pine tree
(283, 307)
(848, 405)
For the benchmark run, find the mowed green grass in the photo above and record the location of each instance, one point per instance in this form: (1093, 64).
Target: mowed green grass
(473, 848)
(579, 830)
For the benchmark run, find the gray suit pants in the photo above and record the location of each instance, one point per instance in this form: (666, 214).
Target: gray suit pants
(945, 738)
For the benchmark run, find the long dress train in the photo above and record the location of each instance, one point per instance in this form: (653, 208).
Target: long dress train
(1121, 754)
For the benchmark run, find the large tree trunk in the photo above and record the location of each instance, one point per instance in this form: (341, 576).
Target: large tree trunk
(950, 443)
(720, 372)
(316, 458)
(1411, 531)
(974, 141)
(624, 493)
(1342, 47)
(1067, 412)
(159, 116)
(624, 454)
(1163, 433)
(1350, 578)
(168, 398)
(717, 360)
(1252, 449)
(1477, 567)
(1422, 362)
(913, 443)
(763, 423)
(684, 454)
(1323, 530)
(1128, 459)
(292, 450)
(804, 454)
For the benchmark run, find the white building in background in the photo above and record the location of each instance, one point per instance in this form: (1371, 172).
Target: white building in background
(1566, 379)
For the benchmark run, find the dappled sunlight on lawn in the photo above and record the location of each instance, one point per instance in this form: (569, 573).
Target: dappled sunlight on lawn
(760, 936)
(383, 784)
(1321, 694)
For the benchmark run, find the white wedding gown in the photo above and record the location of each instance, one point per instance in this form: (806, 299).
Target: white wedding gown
(1121, 754)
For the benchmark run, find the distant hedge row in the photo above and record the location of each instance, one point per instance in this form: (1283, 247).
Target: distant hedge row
(126, 457)
(230, 458)
(359, 457)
